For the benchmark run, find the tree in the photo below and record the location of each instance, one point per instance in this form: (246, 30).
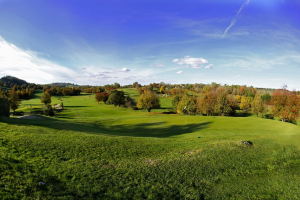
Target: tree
(4, 106)
(117, 85)
(148, 101)
(233, 103)
(223, 106)
(285, 105)
(266, 98)
(48, 111)
(246, 103)
(294, 107)
(258, 106)
(98, 97)
(129, 102)
(46, 98)
(14, 100)
(135, 84)
(176, 100)
(187, 105)
(116, 98)
(102, 96)
(207, 104)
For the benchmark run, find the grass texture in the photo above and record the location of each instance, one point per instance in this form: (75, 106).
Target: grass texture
(98, 151)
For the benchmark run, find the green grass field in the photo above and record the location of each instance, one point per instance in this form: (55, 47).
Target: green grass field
(98, 151)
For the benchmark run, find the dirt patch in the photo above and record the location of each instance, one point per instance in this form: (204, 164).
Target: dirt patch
(152, 162)
(31, 117)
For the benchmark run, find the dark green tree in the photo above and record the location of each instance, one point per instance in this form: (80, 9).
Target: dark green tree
(116, 85)
(130, 102)
(176, 100)
(49, 111)
(14, 100)
(116, 98)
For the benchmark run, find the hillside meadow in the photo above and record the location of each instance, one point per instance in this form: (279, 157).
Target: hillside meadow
(98, 151)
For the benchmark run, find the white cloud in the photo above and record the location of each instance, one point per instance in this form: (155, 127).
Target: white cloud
(209, 66)
(125, 70)
(188, 61)
(179, 72)
(27, 65)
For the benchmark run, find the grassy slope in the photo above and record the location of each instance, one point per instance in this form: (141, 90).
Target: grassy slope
(94, 150)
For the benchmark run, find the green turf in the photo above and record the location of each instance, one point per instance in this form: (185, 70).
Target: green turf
(98, 151)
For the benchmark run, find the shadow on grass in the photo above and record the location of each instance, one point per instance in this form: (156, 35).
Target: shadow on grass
(242, 114)
(157, 129)
(75, 106)
(85, 94)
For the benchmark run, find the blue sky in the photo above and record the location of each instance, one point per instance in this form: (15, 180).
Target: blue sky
(245, 42)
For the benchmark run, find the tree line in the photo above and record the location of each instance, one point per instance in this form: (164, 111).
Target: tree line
(282, 103)
(56, 90)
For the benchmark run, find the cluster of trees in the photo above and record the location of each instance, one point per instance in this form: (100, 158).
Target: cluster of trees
(214, 102)
(23, 92)
(218, 101)
(96, 89)
(147, 100)
(13, 98)
(116, 98)
(221, 101)
(55, 90)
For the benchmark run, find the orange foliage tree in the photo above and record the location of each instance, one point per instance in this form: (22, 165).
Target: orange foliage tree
(208, 103)
(285, 105)
(101, 96)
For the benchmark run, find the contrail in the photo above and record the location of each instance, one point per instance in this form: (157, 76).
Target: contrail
(234, 19)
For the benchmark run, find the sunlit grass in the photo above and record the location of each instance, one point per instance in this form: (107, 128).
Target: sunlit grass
(98, 151)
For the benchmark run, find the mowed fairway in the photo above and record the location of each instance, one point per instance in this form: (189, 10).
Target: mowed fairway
(98, 151)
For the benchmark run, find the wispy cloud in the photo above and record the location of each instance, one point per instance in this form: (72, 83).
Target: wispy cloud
(158, 65)
(179, 72)
(209, 66)
(256, 62)
(27, 65)
(233, 21)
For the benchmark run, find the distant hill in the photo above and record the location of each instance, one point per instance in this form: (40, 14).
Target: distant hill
(63, 84)
(16, 81)
(13, 80)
